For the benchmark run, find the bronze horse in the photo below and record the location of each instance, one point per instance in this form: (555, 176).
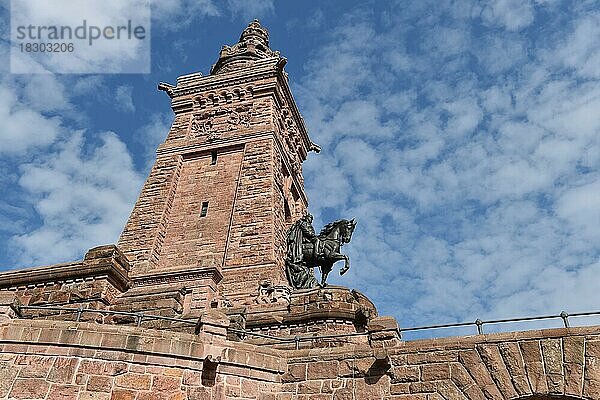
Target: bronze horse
(330, 240)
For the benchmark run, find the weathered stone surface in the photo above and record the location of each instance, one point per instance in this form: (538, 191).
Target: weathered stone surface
(463, 380)
(31, 388)
(405, 374)
(553, 365)
(322, 370)
(511, 354)
(97, 383)
(534, 366)
(123, 394)
(490, 354)
(93, 396)
(35, 366)
(435, 372)
(295, 373)
(356, 367)
(63, 370)
(8, 373)
(574, 350)
(63, 392)
(472, 362)
(133, 381)
(165, 383)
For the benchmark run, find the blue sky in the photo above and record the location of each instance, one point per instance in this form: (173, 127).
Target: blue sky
(463, 135)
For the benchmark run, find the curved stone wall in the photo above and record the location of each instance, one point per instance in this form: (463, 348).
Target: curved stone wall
(553, 362)
(42, 359)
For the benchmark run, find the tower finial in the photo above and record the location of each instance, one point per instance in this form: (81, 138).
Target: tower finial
(253, 45)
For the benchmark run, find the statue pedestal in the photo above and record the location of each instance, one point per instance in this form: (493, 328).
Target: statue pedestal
(333, 316)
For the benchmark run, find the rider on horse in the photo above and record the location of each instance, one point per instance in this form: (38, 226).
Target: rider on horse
(301, 236)
(306, 250)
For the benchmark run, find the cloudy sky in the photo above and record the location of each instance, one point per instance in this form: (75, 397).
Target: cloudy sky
(463, 135)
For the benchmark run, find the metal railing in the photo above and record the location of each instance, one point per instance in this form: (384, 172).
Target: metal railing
(564, 316)
(296, 340)
(80, 310)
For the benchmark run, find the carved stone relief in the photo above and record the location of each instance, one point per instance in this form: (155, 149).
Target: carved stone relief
(213, 123)
(269, 293)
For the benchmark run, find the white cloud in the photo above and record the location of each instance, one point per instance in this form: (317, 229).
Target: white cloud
(577, 51)
(178, 14)
(23, 128)
(82, 195)
(103, 56)
(123, 98)
(153, 133)
(483, 161)
(250, 10)
(580, 207)
(513, 15)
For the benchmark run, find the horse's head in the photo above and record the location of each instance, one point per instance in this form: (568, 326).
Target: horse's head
(342, 229)
(347, 229)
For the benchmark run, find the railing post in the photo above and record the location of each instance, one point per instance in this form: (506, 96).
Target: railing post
(79, 313)
(565, 317)
(479, 324)
(139, 316)
(10, 306)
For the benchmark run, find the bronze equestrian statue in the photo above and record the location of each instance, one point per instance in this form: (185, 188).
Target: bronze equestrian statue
(306, 250)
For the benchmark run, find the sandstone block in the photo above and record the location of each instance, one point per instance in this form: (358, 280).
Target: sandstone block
(296, 373)
(122, 394)
(63, 392)
(83, 395)
(166, 383)
(192, 378)
(63, 370)
(490, 354)
(573, 378)
(133, 381)
(573, 349)
(404, 374)
(99, 383)
(592, 348)
(29, 389)
(531, 351)
(309, 387)
(434, 372)
(322, 370)
(250, 389)
(35, 366)
(8, 373)
(199, 393)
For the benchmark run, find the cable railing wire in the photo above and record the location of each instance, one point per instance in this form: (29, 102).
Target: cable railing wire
(140, 316)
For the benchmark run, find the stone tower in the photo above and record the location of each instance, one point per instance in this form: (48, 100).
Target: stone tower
(227, 181)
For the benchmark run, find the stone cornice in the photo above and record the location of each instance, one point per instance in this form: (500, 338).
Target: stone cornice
(262, 69)
(104, 262)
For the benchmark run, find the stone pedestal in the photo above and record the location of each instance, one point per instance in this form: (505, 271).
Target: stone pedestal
(338, 313)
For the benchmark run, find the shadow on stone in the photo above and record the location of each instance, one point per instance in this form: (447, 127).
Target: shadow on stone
(209, 372)
(376, 371)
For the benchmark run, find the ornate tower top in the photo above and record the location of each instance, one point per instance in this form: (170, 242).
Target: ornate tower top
(253, 45)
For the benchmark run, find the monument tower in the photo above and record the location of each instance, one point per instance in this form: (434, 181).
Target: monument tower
(227, 181)
(209, 292)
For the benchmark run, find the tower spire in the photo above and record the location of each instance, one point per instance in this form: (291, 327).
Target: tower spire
(253, 45)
